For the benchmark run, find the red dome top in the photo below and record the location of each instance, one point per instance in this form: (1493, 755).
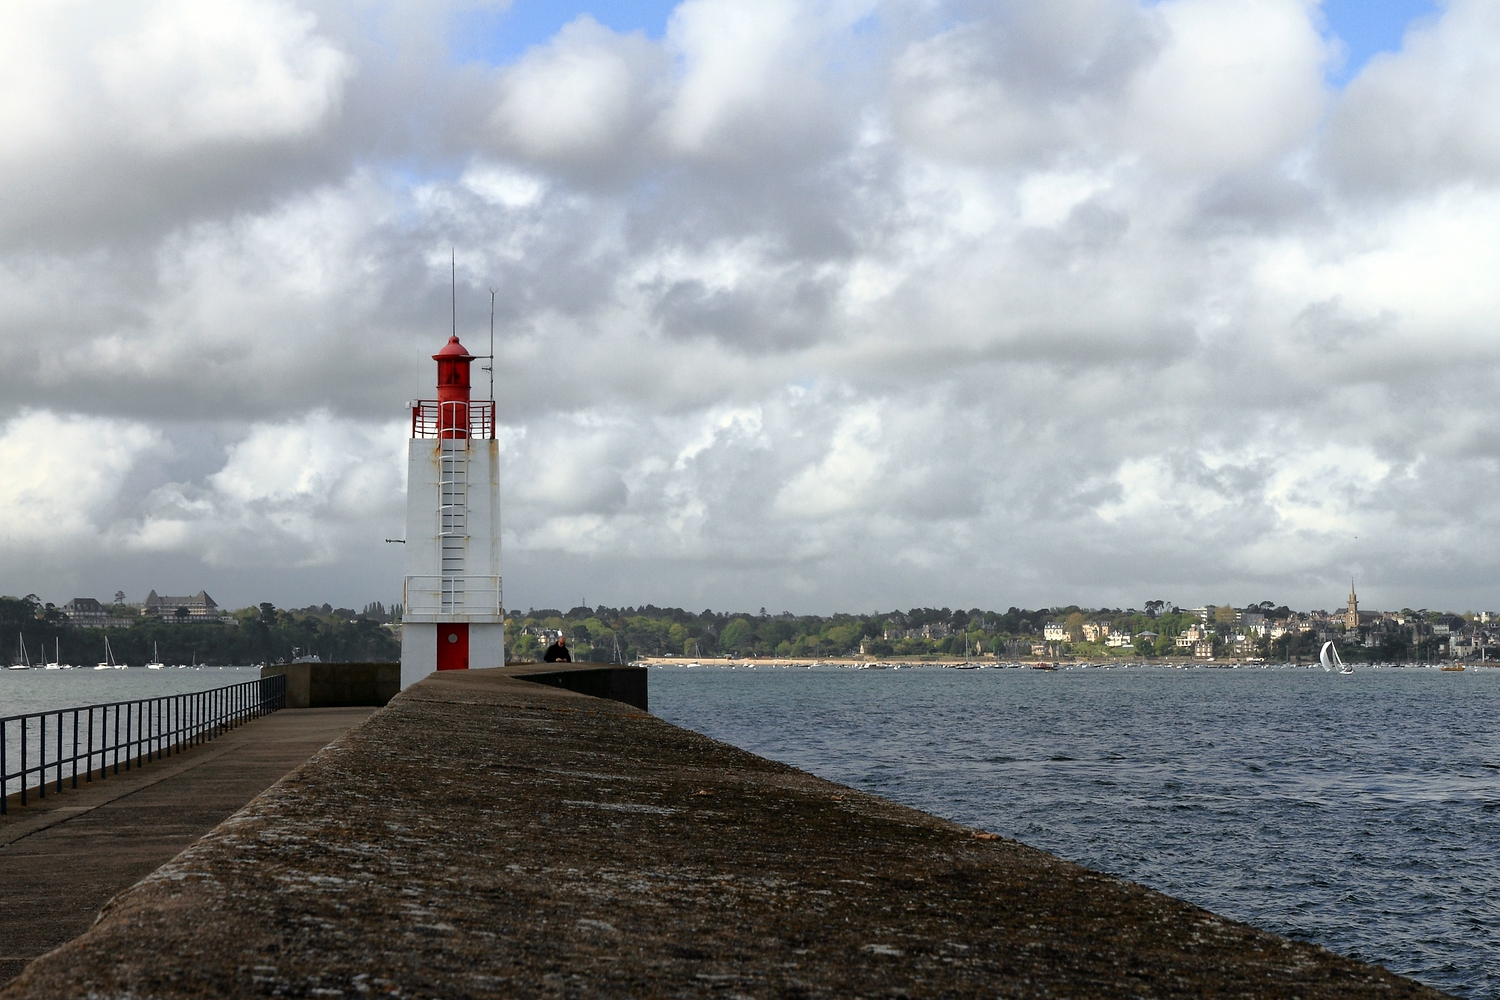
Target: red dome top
(453, 351)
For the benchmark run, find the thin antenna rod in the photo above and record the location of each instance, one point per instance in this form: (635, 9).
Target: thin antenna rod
(492, 344)
(453, 285)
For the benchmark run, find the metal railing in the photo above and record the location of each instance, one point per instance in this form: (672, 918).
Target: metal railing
(90, 741)
(474, 419)
(442, 598)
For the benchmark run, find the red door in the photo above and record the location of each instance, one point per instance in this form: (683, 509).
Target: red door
(453, 646)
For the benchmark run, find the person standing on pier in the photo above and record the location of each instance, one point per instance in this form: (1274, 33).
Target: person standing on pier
(558, 651)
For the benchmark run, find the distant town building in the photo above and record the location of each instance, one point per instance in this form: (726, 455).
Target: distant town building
(1055, 632)
(85, 611)
(1096, 631)
(199, 607)
(937, 630)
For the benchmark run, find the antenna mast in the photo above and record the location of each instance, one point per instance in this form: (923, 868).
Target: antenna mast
(491, 365)
(453, 285)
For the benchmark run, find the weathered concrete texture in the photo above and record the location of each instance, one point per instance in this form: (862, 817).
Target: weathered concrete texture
(599, 680)
(63, 857)
(482, 837)
(337, 685)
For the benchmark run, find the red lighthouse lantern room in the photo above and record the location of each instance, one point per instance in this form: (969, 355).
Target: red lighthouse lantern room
(453, 389)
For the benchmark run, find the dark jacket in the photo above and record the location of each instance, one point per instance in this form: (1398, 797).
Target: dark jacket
(555, 652)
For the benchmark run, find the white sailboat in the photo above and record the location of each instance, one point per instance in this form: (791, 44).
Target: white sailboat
(109, 659)
(1329, 657)
(57, 663)
(24, 663)
(155, 663)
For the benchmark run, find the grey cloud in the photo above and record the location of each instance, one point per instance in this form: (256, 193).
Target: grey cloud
(874, 318)
(1022, 83)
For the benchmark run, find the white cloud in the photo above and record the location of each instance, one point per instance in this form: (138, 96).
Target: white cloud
(1073, 300)
(63, 475)
(297, 493)
(580, 98)
(843, 479)
(739, 61)
(187, 73)
(1236, 82)
(1425, 115)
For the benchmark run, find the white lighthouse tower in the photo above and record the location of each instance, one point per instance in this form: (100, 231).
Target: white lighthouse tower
(451, 616)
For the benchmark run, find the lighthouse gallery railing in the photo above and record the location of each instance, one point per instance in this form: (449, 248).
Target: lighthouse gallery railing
(55, 746)
(430, 419)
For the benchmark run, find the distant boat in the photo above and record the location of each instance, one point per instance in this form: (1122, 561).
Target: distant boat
(1455, 668)
(109, 659)
(25, 662)
(1329, 657)
(155, 663)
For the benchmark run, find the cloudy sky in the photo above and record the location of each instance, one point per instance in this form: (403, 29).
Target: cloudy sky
(815, 306)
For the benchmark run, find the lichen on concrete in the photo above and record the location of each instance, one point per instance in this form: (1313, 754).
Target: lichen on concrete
(486, 837)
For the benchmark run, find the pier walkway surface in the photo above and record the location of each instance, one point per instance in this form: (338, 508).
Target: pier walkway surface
(65, 856)
(483, 836)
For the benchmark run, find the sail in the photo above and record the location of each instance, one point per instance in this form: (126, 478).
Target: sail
(1324, 658)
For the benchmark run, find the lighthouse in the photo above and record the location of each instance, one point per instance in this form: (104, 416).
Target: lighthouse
(452, 616)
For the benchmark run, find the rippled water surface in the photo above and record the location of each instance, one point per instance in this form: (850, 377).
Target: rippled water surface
(1360, 812)
(26, 691)
(23, 692)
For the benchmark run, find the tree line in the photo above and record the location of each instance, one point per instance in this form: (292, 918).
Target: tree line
(606, 634)
(263, 634)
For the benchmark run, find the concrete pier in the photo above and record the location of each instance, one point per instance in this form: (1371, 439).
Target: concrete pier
(63, 857)
(483, 836)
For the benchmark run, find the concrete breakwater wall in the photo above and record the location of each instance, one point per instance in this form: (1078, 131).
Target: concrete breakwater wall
(483, 836)
(337, 685)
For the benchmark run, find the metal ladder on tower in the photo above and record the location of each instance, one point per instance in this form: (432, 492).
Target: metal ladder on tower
(453, 512)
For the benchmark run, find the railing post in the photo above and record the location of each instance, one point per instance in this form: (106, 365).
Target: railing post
(154, 728)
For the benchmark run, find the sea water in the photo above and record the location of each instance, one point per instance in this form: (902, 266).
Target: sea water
(25, 692)
(1360, 812)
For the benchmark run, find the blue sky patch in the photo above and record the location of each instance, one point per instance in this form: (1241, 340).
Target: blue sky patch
(499, 37)
(1368, 27)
